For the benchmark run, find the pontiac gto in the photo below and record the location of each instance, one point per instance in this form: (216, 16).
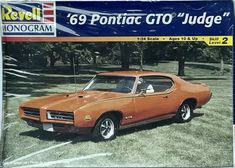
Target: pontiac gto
(116, 100)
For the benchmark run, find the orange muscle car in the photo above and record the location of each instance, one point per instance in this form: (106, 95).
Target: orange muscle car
(116, 100)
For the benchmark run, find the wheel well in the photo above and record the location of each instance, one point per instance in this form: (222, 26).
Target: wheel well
(117, 114)
(191, 101)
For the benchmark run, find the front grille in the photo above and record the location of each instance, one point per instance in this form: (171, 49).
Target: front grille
(32, 112)
(59, 115)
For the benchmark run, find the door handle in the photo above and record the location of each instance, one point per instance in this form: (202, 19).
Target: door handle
(165, 96)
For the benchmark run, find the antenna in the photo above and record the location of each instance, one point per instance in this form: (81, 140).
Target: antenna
(74, 73)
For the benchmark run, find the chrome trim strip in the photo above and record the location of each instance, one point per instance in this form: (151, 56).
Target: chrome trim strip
(168, 116)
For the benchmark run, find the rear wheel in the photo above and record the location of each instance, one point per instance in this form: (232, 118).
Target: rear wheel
(184, 113)
(106, 128)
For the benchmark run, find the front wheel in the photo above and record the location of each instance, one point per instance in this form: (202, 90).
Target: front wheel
(184, 113)
(106, 128)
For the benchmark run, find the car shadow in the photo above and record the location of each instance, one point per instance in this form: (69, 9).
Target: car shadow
(76, 138)
(197, 115)
(155, 125)
(53, 136)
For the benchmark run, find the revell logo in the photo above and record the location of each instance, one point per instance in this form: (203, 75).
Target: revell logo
(8, 14)
(28, 19)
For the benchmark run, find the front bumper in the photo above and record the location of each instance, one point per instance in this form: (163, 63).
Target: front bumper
(58, 127)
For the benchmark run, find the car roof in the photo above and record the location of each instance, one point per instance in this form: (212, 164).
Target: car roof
(136, 73)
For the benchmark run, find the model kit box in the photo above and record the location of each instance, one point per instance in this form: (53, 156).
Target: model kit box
(117, 83)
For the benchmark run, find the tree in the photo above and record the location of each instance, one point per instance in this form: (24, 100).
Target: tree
(224, 53)
(28, 54)
(125, 55)
(52, 54)
(180, 50)
(139, 49)
(185, 51)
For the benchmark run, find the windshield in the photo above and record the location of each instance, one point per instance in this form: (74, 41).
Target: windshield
(121, 84)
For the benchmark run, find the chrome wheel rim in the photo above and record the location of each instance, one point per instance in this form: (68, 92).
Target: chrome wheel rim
(107, 128)
(185, 112)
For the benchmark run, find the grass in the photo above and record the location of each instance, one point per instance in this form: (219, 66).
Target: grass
(204, 141)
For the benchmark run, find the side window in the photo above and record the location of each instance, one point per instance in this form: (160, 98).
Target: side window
(154, 84)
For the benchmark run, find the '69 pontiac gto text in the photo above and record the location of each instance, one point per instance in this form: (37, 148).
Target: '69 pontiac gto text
(150, 19)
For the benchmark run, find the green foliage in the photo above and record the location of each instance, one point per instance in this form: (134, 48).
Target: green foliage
(120, 53)
(39, 61)
(214, 54)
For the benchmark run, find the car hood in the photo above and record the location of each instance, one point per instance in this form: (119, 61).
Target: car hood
(71, 101)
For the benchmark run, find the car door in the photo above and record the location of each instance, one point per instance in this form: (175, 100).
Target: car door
(155, 97)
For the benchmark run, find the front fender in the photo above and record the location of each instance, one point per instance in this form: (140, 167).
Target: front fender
(87, 115)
